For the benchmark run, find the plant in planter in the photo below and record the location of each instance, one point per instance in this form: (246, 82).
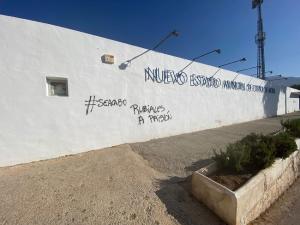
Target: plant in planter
(292, 127)
(235, 159)
(262, 151)
(254, 154)
(249, 155)
(284, 144)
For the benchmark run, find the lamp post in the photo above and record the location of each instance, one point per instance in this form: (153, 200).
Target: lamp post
(171, 34)
(229, 63)
(194, 59)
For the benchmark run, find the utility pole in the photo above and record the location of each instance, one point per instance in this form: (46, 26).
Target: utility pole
(260, 40)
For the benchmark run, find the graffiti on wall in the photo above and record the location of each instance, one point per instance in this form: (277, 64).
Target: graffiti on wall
(159, 113)
(152, 114)
(170, 77)
(144, 113)
(93, 102)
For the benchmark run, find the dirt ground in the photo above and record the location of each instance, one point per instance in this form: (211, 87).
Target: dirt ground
(109, 187)
(140, 184)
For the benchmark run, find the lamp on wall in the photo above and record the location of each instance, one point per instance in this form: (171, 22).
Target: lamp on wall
(252, 75)
(238, 71)
(250, 68)
(128, 62)
(274, 76)
(283, 78)
(229, 63)
(270, 71)
(198, 57)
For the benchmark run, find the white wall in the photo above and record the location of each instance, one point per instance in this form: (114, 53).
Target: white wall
(35, 126)
(292, 100)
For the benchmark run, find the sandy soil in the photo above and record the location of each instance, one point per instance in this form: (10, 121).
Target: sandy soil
(110, 186)
(233, 182)
(141, 184)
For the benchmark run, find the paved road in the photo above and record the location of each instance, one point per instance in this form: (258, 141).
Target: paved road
(181, 155)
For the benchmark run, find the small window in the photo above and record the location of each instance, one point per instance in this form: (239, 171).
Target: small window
(57, 86)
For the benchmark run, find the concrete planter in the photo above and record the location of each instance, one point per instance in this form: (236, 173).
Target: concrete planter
(253, 198)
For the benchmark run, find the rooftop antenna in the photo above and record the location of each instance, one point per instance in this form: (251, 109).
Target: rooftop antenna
(260, 40)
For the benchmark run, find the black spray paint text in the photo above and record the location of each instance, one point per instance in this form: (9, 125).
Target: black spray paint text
(93, 102)
(154, 114)
(170, 77)
(137, 110)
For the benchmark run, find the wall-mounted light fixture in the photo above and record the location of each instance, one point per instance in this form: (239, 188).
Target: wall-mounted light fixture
(198, 57)
(250, 68)
(272, 77)
(229, 63)
(252, 76)
(238, 71)
(270, 71)
(282, 78)
(128, 62)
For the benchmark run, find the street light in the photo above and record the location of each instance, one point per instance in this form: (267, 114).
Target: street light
(194, 59)
(283, 78)
(239, 60)
(270, 71)
(238, 71)
(250, 68)
(275, 76)
(229, 63)
(172, 33)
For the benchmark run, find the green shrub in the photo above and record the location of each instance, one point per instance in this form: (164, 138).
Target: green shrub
(249, 155)
(236, 158)
(292, 127)
(262, 151)
(255, 152)
(284, 144)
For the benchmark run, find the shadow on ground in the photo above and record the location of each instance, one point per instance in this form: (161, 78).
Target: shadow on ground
(175, 193)
(197, 165)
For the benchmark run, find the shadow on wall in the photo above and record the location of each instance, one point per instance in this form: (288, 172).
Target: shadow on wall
(271, 101)
(176, 195)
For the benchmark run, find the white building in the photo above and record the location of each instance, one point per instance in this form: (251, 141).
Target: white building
(58, 97)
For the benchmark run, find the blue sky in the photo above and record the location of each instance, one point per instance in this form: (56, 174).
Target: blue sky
(203, 25)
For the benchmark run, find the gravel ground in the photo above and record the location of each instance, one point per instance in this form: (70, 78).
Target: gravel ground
(117, 186)
(112, 186)
(179, 156)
